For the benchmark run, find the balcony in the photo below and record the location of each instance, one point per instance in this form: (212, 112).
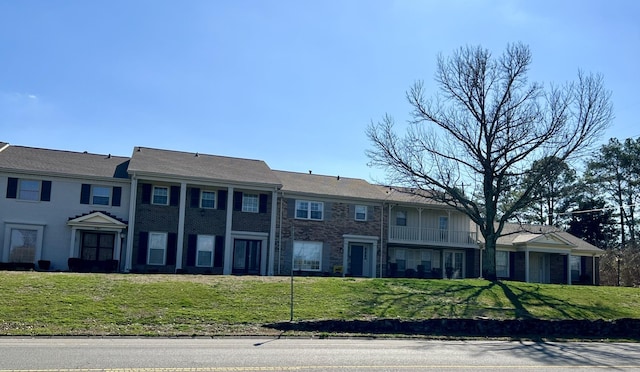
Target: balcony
(415, 235)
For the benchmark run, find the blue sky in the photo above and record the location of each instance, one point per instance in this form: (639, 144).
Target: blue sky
(294, 83)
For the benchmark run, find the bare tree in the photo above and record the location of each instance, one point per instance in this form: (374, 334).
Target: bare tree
(483, 128)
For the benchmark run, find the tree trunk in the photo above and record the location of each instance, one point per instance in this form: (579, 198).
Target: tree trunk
(489, 260)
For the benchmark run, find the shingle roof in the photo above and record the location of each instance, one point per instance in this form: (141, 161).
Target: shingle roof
(332, 186)
(515, 233)
(190, 165)
(45, 161)
(406, 195)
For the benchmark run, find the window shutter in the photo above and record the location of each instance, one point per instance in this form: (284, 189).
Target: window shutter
(143, 246)
(192, 245)
(12, 188)
(195, 197)
(172, 248)
(327, 213)
(218, 252)
(262, 206)
(222, 199)
(146, 193)
(291, 208)
(352, 212)
(370, 213)
(85, 193)
(45, 195)
(116, 195)
(237, 201)
(174, 198)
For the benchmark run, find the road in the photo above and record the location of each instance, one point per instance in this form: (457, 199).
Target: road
(264, 354)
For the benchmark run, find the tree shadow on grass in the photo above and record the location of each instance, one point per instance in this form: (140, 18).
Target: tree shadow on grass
(449, 320)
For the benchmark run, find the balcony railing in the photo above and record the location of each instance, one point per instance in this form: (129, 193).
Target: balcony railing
(432, 236)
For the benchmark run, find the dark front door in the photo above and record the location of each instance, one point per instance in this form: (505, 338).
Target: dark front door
(356, 259)
(246, 256)
(97, 246)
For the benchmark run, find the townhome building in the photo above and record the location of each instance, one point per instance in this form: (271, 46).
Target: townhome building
(329, 225)
(428, 239)
(61, 208)
(199, 213)
(163, 211)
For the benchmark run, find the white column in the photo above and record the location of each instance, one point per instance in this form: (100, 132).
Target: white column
(526, 265)
(118, 248)
(272, 232)
(72, 245)
(345, 256)
(132, 220)
(374, 256)
(228, 249)
(180, 240)
(593, 270)
(568, 268)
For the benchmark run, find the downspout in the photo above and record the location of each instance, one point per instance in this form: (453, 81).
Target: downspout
(381, 236)
(272, 231)
(132, 222)
(280, 234)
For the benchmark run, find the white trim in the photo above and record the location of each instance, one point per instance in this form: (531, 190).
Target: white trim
(228, 247)
(215, 198)
(153, 192)
(272, 233)
(181, 220)
(213, 250)
(132, 218)
(366, 239)
(166, 241)
(25, 226)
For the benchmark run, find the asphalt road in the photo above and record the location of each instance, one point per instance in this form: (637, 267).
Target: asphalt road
(263, 354)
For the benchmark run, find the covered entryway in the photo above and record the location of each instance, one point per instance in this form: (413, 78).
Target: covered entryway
(359, 255)
(96, 242)
(539, 268)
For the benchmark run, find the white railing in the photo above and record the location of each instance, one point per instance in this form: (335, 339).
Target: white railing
(431, 236)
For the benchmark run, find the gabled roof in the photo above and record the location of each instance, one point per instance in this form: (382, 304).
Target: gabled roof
(97, 219)
(331, 186)
(212, 168)
(517, 234)
(45, 161)
(407, 196)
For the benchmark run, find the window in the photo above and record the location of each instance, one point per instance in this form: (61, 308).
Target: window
(157, 248)
(425, 260)
(361, 212)
(32, 190)
(100, 195)
(22, 247)
(208, 199)
(502, 264)
(401, 218)
(250, 203)
(307, 256)
(401, 260)
(29, 190)
(160, 195)
(309, 210)
(443, 226)
(575, 268)
(204, 255)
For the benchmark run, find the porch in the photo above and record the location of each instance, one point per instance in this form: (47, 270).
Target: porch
(432, 236)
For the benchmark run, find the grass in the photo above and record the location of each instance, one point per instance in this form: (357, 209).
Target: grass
(34, 303)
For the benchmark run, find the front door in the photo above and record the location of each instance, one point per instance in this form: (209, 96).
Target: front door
(453, 264)
(356, 259)
(97, 246)
(246, 256)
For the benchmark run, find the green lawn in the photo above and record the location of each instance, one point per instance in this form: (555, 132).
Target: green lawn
(34, 303)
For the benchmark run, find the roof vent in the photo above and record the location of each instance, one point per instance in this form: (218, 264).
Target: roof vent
(197, 155)
(85, 152)
(139, 149)
(109, 156)
(338, 178)
(309, 171)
